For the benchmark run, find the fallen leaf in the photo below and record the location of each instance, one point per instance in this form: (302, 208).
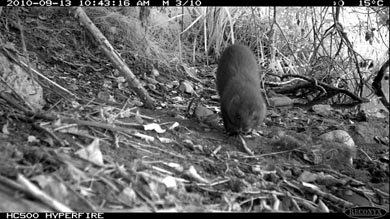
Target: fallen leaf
(128, 196)
(5, 129)
(154, 126)
(322, 207)
(138, 118)
(165, 140)
(92, 153)
(120, 79)
(32, 139)
(54, 188)
(174, 125)
(307, 176)
(170, 182)
(155, 72)
(322, 109)
(186, 87)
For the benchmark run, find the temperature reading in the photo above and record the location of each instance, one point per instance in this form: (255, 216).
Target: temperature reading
(367, 3)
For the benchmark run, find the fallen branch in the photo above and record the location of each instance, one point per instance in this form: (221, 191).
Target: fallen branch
(327, 91)
(116, 60)
(376, 84)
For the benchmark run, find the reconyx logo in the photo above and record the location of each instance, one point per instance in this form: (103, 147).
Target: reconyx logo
(365, 212)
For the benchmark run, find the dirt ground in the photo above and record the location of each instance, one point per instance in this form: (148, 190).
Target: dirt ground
(167, 159)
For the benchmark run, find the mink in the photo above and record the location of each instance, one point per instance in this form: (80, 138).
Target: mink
(238, 84)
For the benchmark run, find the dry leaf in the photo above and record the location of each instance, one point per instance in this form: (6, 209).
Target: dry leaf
(92, 153)
(32, 139)
(107, 84)
(165, 140)
(307, 176)
(192, 173)
(54, 188)
(322, 109)
(170, 182)
(138, 118)
(154, 126)
(128, 196)
(5, 129)
(155, 72)
(76, 174)
(75, 104)
(174, 125)
(201, 113)
(322, 207)
(186, 87)
(120, 79)
(145, 137)
(126, 113)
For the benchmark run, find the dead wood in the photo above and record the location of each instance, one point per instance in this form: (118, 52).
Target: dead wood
(110, 52)
(376, 84)
(326, 91)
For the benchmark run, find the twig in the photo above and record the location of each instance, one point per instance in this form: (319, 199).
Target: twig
(363, 152)
(39, 194)
(331, 197)
(243, 143)
(269, 154)
(214, 153)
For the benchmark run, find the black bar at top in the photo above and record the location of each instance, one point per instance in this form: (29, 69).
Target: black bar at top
(191, 3)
